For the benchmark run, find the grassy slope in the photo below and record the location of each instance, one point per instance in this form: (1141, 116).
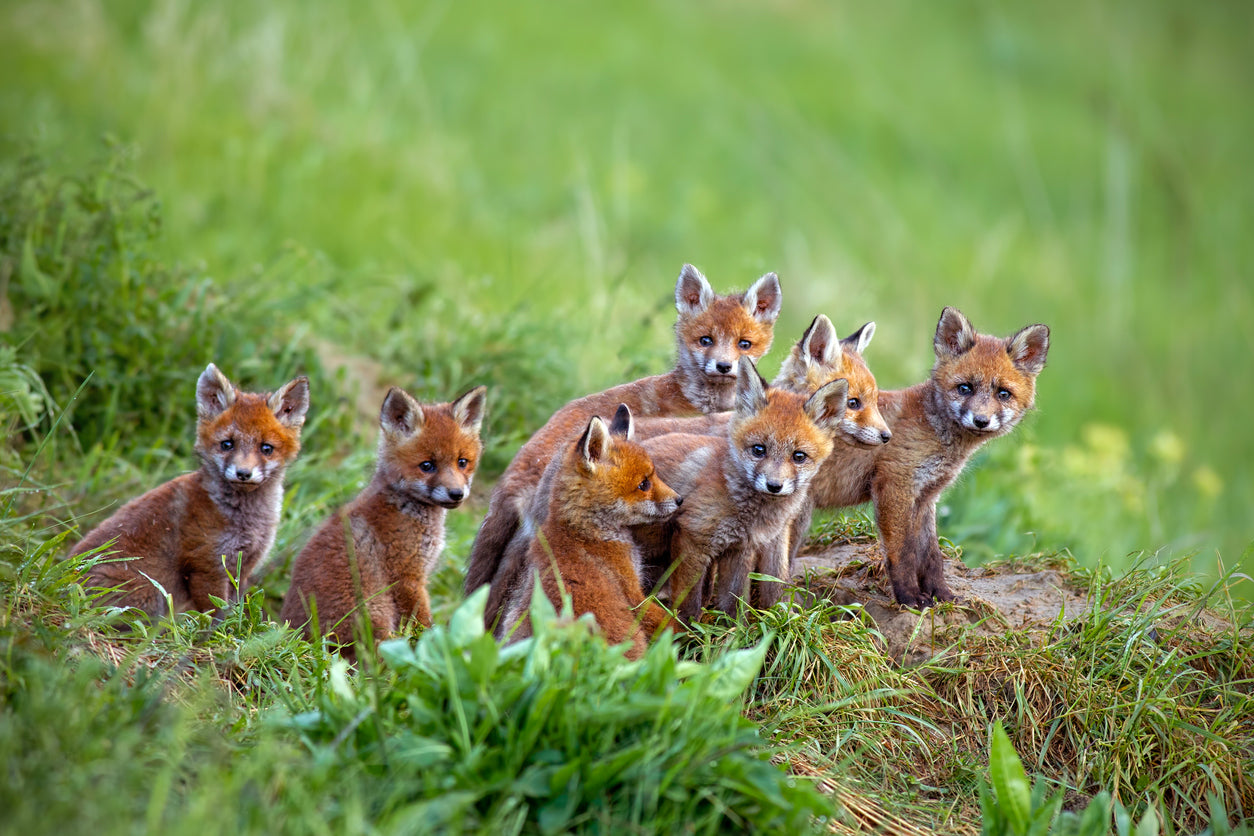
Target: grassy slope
(400, 180)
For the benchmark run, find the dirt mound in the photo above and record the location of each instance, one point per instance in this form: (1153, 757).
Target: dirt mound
(991, 601)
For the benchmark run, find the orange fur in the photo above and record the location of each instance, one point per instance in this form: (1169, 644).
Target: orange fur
(712, 332)
(195, 533)
(427, 459)
(603, 485)
(981, 386)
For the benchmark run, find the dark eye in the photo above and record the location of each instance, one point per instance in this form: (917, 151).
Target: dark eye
(706, 341)
(645, 485)
(227, 444)
(853, 403)
(462, 463)
(965, 389)
(427, 466)
(798, 456)
(758, 451)
(267, 449)
(1003, 394)
(745, 345)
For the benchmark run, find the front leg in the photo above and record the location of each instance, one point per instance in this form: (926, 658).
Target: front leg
(773, 561)
(899, 539)
(205, 584)
(798, 531)
(690, 563)
(733, 578)
(931, 565)
(411, 600)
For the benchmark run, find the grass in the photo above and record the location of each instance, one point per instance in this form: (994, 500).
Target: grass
(452, 194)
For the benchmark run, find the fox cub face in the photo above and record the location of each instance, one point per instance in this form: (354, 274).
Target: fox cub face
(986, 383)
(714, 332)
(779, 438)
(615, 476)
(428, 453)
(821, 357)
(248, 438)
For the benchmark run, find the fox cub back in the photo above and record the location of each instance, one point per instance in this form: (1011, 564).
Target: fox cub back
(605, 485)
(202, 535)
(374, 556)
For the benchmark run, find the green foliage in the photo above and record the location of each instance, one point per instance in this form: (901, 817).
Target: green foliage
(91, 300)
(553, 734)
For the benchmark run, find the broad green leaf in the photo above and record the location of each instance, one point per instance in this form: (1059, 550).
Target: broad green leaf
(1014, 794)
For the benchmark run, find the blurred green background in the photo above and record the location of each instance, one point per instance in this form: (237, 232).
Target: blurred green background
(504, 193)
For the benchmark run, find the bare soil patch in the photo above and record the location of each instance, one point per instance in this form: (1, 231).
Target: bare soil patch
(992, 599)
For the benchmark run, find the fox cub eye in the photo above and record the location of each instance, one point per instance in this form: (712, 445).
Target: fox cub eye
(1003, 394)
(461, 463)
(965, 389)
(227, 444)
(758, 451)
(267, 449)
(853, 403)
(645, 485)
(427, 466)
(744, 345)
(798, 456)
(706, 341)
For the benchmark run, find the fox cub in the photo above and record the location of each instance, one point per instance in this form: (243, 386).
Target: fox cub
(188, 534)
(744, 488)
(712, 333)
(426, 462)
(981, 386)
(604, 485)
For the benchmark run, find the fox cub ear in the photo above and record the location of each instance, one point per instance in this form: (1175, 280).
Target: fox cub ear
(622, 425)
(763, 299)
(214, 393)
(826, 407)
(954, 334)
(860, 339)
(693, 293)
(290, 403)
(595, 443)
(401, 415)
(750, 388)
(819, 343)
(1027, 349)
(469, 408)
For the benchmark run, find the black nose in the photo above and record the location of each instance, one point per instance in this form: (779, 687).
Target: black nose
(980, 421)
(886, 436)
(679, 500)
(456, 495)
(243, 475)
(774, 487)
(723, 367)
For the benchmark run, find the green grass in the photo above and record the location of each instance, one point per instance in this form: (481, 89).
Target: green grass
(472, 193)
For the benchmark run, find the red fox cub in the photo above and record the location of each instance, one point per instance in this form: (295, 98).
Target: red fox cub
(712, 332)
(979, 389)
(426, 462)
(604, 485)
(818, 358)
(188, 534)
(743, 489)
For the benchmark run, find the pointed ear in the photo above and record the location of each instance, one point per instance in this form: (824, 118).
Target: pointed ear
(595, 443)
(860, 339)
(954, 334)
(290, 403)
(750, 388)
(826, 407)
(468, 409)
(693, 293)
(214, 393)
(763, 299)
(819, 344)
(1027, 349)
(623, 426)
(401, 415)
